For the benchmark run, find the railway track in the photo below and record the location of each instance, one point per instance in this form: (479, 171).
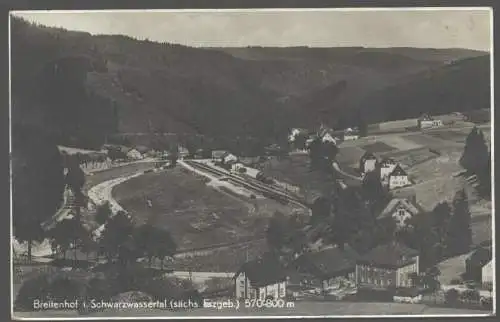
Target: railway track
(251, 184)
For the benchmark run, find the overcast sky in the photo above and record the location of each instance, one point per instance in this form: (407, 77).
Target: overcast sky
(416, 28)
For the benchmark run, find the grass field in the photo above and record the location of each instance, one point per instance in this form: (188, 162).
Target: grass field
(195, 214)
(113, 173)
(295, 170)
(225, 260)
(377, 147)
(455, 136)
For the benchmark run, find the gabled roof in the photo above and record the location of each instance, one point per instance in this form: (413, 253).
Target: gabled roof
(398, 171)
(263, 271)
(368, 155)
(480, 256)
(219, 153)
(142, 148)
(392, 255)
(387, 161)
(395, 203)
(328, 262)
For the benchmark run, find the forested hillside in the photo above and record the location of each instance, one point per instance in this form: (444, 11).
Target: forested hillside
(83, 88)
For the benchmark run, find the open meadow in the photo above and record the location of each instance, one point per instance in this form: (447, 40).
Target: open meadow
(117, 172)
(197, 215)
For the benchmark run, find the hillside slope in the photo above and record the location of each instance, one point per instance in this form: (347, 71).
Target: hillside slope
(85, 88)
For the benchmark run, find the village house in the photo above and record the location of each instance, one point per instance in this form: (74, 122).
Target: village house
(398, 178)
(387, 165)
(325, 268)
(310, 140)
(368, 163)
(142, 149)
(229, 159)
(294, 133)
(238, 168)
(217, 155)
(183, 152)
(385, 266)
(401, 210)
(426, 122)
(487, 275)
(350, 134)
(262, 278)
(133, 154)
(475, 262)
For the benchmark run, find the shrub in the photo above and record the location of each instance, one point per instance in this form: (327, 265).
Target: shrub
(65, 288)
(470, 296)
(451, 296)
(33, 289)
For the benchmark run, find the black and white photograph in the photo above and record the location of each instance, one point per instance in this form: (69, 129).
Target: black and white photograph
(252, 163)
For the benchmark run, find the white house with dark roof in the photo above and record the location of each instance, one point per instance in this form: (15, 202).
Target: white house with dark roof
(398, 178)
(217, 155)
(389, 265)
(487, 274)
(322, 268)
(401, 209)
(387, 165)
(261, 279)
(426, 121)
(368, 162)
(229, 158)
(350, 134)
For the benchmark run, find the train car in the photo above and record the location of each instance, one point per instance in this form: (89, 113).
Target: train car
(263, 178)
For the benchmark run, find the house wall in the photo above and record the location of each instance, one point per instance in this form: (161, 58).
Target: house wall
(401, 215)
(328, 138)
(385, 171)
(349, 137)
(403, 273)
(351, 275)
(370, 165)
(398, 181)
(430, 123)
(487, 273)
(244, 289)
(241, 286)
(371, 276)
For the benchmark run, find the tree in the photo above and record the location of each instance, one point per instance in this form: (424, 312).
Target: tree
(103, 213)
(164, 245)
(37, 183)
(451, 296)
(440, 217)
(470, 296)
(117, 232)
(145, 238)
(459, 233)
(75, 179)
(430, 279)
(69, 233)
(286, 237)
(484, 179)
(299, 140)
(361, 123)
(316, 154)
(36, 288)
(320, 209)
(276, 233)
(373, 191)
(475, 156)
